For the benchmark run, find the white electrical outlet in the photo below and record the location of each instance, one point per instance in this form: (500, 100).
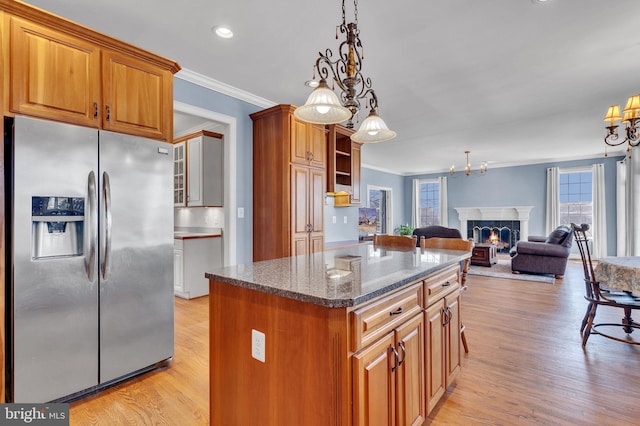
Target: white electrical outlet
(345, 219)
(240, 212)
(258, 345)
(334, 219)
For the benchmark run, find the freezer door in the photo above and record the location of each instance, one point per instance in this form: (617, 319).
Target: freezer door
(53, 290)
(136, 264)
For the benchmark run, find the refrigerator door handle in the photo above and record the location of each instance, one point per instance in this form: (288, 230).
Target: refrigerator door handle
(90, 258)
(106, 193)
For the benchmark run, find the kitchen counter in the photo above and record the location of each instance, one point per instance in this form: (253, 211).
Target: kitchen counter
(317, 339)
(190, 233)
(338, 278)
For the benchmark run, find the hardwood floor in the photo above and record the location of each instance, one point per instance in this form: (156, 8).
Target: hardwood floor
(526, 366)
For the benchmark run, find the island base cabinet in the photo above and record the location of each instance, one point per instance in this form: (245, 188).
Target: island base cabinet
(443, 346)
(389, 385)
(305, 376)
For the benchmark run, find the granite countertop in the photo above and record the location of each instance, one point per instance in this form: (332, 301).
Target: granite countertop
(339, 278)
(189, 232)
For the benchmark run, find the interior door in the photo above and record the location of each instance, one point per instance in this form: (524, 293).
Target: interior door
(136, 262)
(54, 289)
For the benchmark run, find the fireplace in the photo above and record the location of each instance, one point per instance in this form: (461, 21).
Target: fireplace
(504, 234)
(508, 224)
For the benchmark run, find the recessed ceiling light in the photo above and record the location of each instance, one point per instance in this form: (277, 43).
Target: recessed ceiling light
(222, 31)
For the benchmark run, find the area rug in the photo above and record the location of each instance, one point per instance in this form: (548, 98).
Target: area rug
(503, 270)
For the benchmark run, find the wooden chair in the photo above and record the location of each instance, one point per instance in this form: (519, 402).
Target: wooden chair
(395, 241)
(598, 295)
(453, 244)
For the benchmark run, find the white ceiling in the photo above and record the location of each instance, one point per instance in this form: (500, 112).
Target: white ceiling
(513, 81)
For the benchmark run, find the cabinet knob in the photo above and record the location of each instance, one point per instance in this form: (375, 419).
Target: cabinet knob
(95, 110)
(108, 113)
(309, 156)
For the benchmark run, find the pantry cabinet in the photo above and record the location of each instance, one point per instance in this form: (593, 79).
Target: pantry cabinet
(199, 170)
(289, 181)
(68, 73)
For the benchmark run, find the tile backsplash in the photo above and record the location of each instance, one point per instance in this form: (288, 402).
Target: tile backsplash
(198, 217)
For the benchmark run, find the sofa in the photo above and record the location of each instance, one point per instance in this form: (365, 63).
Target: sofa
(435, 231)
(543, 255)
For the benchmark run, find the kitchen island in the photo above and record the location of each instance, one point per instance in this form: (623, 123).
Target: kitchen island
(362, 335)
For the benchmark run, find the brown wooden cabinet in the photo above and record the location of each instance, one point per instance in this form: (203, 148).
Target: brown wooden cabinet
(288, 184)
(389, 384)
(371, 364)
(442, 318)
(343, 163)
(68, 73)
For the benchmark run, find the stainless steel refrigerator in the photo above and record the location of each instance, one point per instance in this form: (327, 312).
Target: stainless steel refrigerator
(89, 276)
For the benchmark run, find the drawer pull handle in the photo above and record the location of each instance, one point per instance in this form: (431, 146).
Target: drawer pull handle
(447, 284)
(396, 312)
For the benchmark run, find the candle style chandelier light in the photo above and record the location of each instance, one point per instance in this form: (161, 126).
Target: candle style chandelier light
(467, 169)
(632, 120)
(323, 105)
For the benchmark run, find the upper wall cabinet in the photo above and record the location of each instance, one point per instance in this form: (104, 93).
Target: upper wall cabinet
(204, 183)
(343, 164)
(65, 72)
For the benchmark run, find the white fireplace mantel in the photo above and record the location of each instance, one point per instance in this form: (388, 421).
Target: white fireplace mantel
(520, 213)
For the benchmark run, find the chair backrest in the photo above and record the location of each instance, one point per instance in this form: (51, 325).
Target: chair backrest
(592, 287)
(394, 241)
(450, 244)
(562, 235)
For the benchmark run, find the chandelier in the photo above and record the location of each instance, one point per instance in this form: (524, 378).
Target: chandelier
(631, 118)
(323, 105)
(467, 168)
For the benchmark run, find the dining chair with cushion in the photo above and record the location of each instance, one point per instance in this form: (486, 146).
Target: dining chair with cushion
(453, 244)
(396, 241)
(599, 295)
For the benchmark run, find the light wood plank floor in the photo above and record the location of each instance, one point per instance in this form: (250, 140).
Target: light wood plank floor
(526, 366)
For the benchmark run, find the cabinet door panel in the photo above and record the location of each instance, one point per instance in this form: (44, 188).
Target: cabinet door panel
(453, 337)
(194, 171)
(53, 75)
(299, 150)
(435, 354)
(299, 209)
(317, 145)
(410, 376)
(138, 97)
(374, 384)
(356, 151)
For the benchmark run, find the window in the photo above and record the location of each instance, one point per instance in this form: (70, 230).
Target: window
(576, 197)
(429, 203)
(380, 199)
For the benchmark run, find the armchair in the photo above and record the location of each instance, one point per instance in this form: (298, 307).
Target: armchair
(543, 255)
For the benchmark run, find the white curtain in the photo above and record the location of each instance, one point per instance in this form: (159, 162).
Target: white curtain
(628, 203)
(444, 207)
(599, 225)
(621, 208)
(553, 199)
(415, 204)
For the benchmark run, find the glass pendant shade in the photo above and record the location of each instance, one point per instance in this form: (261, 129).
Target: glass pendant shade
(373, 129)
(322, 107)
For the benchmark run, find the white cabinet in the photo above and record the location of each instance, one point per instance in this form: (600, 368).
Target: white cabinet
(193, 256)
(179, 174)
(204, 184)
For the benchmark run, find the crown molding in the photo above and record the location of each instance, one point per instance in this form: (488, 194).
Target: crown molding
(225, 89)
